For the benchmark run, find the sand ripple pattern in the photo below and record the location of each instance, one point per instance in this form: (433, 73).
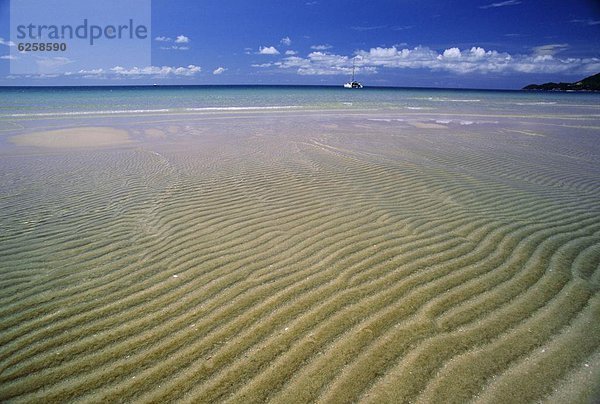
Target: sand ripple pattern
(333, 265)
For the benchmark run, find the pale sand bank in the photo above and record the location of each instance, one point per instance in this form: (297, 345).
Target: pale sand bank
(74, 138)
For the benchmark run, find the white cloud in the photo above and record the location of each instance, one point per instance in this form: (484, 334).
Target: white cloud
(182, 39)
(157, 71)
(452, 53)
(321, 47)
(550, 49)
(291, 52)
(320, 63)
(8, 57)
(286, 41)
(91, 72)
(502, 4)
(454, 60)
(138, 72)
(311, 3)
(175, 47)
(6, 43)
(268, 50)
(45, 76)
(262, 65)
(219, 70)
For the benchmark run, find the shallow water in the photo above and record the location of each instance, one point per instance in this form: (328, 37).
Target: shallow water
(417, 245)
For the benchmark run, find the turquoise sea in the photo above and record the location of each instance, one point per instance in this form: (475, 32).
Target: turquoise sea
(60, 101)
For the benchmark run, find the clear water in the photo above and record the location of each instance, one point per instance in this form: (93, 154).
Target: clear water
(393, 239)
(56, 101)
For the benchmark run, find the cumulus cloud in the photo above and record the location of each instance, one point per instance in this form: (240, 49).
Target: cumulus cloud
(454, 60)
(291, 52)
(268, 50)
(180, 42)
(6, 43)
(286, 41)
(321, 47)
(501, 4)
(318, 63)
(219, 70)
(453, 53)
(474, 60)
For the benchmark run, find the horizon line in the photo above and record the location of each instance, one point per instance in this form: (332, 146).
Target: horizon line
(260, 85)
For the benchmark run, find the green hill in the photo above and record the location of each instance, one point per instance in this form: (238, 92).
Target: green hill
(591, 83)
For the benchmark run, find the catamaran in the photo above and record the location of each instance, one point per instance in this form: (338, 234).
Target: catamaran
(353, 83)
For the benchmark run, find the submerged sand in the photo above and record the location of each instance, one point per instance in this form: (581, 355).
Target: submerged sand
(304, 258)
(73, 138)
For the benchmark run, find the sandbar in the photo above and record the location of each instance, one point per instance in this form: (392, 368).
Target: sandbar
(74, 138)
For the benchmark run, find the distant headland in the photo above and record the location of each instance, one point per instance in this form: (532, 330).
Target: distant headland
(591, 83)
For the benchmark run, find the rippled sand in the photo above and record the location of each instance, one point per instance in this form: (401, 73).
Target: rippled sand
(302, 257)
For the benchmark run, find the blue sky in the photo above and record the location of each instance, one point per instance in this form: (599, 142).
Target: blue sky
(463, 43)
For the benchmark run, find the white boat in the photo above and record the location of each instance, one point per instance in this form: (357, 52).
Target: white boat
(353, 83)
